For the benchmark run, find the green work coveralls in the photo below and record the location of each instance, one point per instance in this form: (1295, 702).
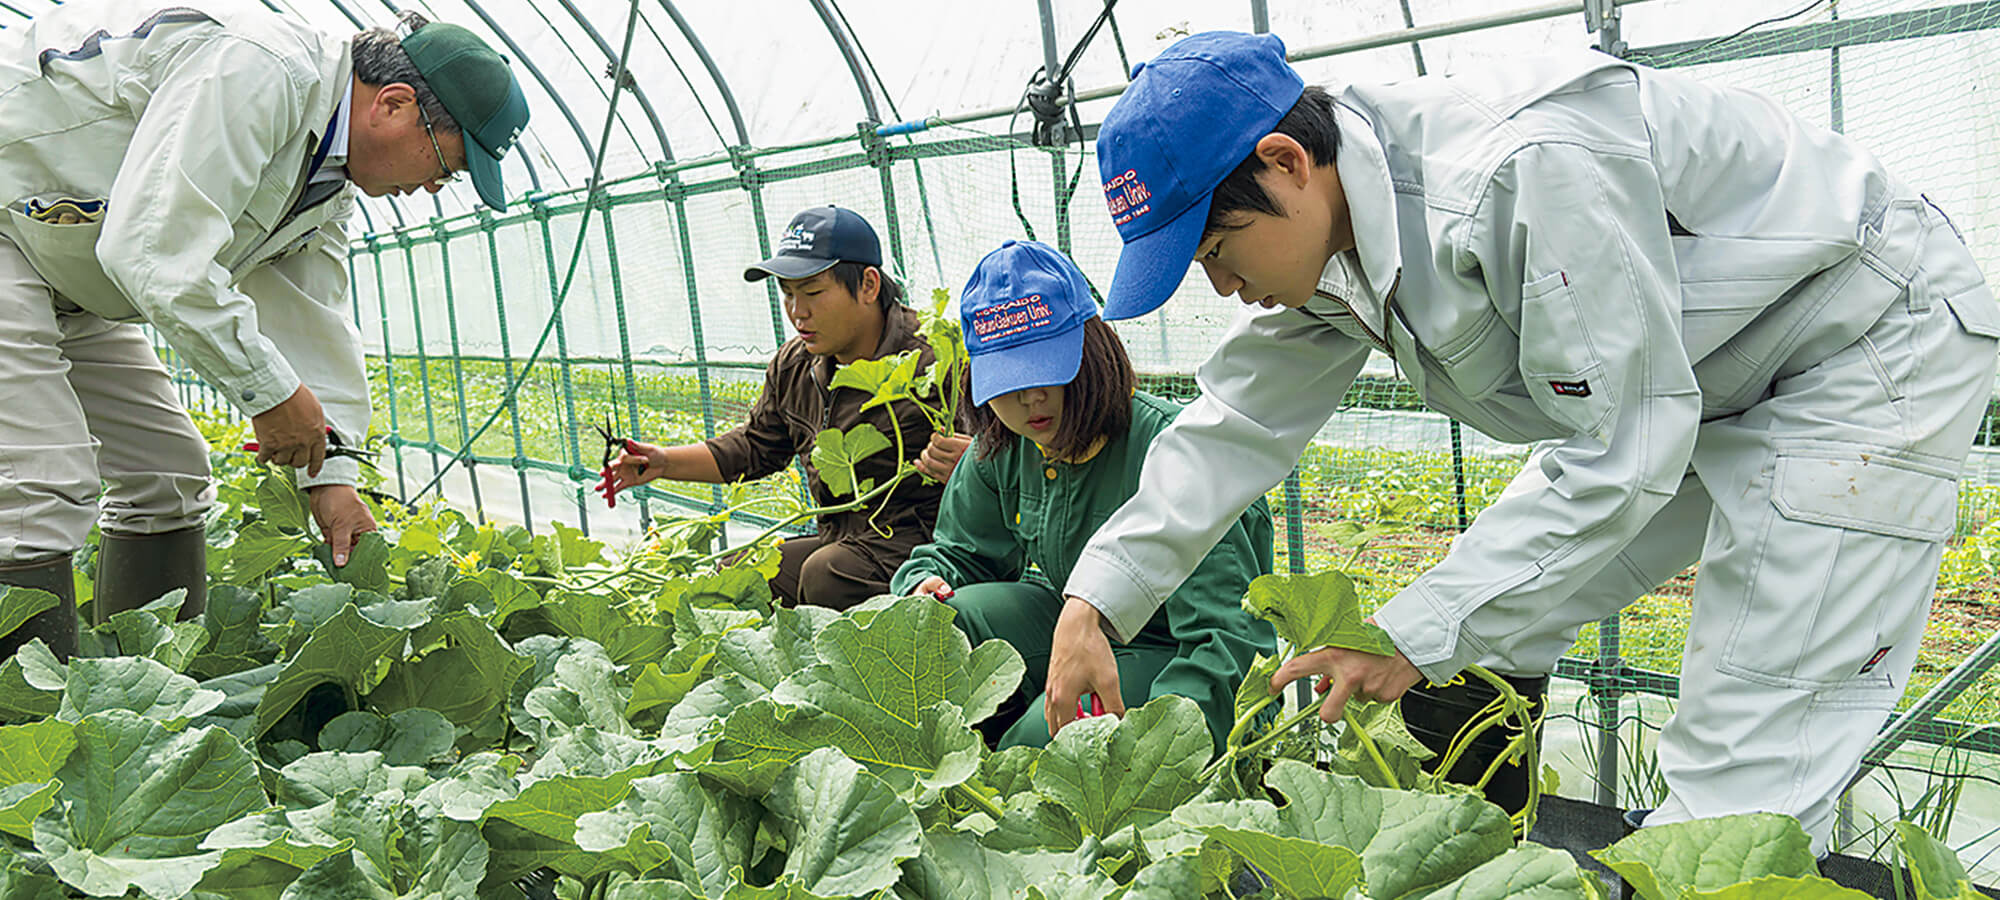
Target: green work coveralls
(1017, 508)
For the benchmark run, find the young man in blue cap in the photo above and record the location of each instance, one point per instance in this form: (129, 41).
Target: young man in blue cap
(845, 308)
(1737, 339)
(188, 167)
(1045, 368)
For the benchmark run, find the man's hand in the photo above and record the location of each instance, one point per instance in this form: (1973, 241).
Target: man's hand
(293, 433)
(639, 464)
(342, 517)
(1080, 662)
(933, 586)
(942, 454)
(1349, 673)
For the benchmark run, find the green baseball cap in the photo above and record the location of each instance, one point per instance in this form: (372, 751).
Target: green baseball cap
(478, 89)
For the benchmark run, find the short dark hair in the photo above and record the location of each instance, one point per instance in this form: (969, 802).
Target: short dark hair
(379, 59)
(1097, 403)
(849, 275)
(1310, 122)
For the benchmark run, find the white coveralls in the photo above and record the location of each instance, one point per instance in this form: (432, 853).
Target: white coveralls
(194, 125)
(1743, 343)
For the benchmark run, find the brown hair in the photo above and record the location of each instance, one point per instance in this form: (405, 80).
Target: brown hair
(1097, 403)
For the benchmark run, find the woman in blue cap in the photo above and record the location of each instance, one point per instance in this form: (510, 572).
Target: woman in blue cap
(1046, 368)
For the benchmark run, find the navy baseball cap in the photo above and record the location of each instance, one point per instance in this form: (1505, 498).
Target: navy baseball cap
(1189, 118)
(816, 240)
(1023, 312)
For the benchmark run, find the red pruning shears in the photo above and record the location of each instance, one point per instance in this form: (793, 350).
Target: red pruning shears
(613, 446)
(1096, 707)
(335, 447)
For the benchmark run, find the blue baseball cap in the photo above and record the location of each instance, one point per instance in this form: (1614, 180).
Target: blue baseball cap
(1023, 312)
(816, 240)
(1189, 118)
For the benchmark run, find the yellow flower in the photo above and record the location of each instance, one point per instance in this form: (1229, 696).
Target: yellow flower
(469, 563)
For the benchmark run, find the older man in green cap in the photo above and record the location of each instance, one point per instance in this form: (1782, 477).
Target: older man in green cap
(187, 166)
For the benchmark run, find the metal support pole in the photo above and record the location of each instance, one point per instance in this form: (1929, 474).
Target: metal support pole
(1260, 16)
(1609, 667)
(389, 369)
(507, 363)
(458, 371)
(577, 471)
(624, 346)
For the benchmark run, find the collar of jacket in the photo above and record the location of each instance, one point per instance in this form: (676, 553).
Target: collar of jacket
(1371, 207)
(899, 333)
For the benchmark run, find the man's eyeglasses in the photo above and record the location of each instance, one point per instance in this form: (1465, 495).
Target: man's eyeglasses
(449, 176)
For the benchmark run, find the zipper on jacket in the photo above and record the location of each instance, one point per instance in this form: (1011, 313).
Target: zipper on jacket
(1374, 338)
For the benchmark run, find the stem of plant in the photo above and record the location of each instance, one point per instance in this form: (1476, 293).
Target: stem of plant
(1367, 743)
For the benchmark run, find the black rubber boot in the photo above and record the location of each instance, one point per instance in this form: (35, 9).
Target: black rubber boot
(1435, 715)
(56, 626)
(135, 569)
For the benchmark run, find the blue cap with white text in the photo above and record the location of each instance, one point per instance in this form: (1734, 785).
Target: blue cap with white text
(1023, 312)
(1189, 118)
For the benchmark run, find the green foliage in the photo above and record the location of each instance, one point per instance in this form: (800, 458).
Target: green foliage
(475, 703)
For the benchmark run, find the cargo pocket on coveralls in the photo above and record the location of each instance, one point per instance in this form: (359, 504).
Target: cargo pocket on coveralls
(1563, 372)
(58, 234)
(1856, 526)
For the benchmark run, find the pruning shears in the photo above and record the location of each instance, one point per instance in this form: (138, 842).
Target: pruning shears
(1096, 707)
(614, 444)
(335, 447)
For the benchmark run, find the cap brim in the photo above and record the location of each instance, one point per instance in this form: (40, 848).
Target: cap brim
(789, 267)
(485, 170)
(1152, 266)
(1050, 361)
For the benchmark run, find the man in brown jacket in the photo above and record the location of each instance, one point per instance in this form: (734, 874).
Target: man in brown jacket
(829, 269)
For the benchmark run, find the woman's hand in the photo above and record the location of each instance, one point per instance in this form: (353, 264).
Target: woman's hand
(933, 586)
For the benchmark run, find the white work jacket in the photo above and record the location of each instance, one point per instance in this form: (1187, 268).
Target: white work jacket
(194, 123)
(1574, 250)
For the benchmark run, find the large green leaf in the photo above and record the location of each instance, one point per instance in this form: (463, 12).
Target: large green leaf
(698, 718)
(233, 621)
(594, 617)
(151, 631)
(1429, 840)
(345, 651)
(955, 864)
(1330, 809)
(466, 790)
(493, 592)
(409, 737)
(538, 828)
(258, 549)
(282, 504)
(652, 889)
(885, 380)
(845, 830)
(1114, 773)
(19, 604)
(1527, 872)
(1938, 873)
(1313, 611)
(673, 826)
(316, 778)
(1172, 878)
(132, 683)
(31, 683)
(580, 691)
(781, 648)
(1297, 867)
(21, 804)
(1811, 887)
(342, 876)
(136, 801)
(896, 694)
(464, 676)
(367, 563)
(18, 883)
(664, 683)
(33, 752)
(835, 455)
(1661, 861)
(261, 857)
(445, 859)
